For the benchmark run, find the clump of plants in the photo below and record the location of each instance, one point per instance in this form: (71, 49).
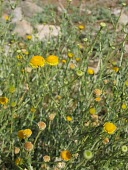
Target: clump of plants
(64, 100)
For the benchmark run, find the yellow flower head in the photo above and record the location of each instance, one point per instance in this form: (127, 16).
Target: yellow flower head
(97, 99)
(65, 155)
(22, 134)
(52, 60)
(29, 37)
(109, 127)
(18, 161)
(63, 61)
(70, 55)
(92, 110)
(124, 106)
(126, 83)
(77, 59)
(37, 61)
(90, 71)
(81, 27)
(69, 118)
(116, 69)
(6, 17)
(12, 89)
(3, 100)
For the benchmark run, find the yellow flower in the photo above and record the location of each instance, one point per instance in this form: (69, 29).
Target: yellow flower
(126, 82)
(70, 55)
(124, 106)
(81, 27)
(116, 69)
(92, 110)
(69, 118)
(22, 134)
(6, 17)
(12, 89)
(28, 146)
(77, 59)
(90, 71)
(97, 99)
(3, 100)
(33, 109)
(97, 92)
(52, 60)
(109, 127)
(63, 61)
(27, 133)
(18, 161)
(29, 37)
(65, 155)
(37, 61)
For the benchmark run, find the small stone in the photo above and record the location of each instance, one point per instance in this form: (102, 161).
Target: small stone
(22, 28)
(46, 31)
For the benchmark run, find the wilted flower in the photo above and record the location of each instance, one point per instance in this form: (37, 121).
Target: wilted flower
(37, 61)
(105, 141)
(28, 146)
(65, 155)
(87, 154)
(46, 158)
(72, 66)
(3, 100)
(52, 60)
(97, 92)
(52, 116)
(16, 150)
(41, 125)
(109, 127)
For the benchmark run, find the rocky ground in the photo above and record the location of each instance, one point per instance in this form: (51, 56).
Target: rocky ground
(26, 9)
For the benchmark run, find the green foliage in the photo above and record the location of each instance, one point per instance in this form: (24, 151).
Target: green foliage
(61, 97)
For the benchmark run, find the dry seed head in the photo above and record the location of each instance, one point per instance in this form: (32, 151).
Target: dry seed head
(51, 116)
(41, 125)
(97, 92)
(28, 146)
(46, 158)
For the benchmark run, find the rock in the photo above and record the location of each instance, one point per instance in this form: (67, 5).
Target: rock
(17, 15)
(47, 31)
(29, 8)
(22, 28)
(123, 19)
